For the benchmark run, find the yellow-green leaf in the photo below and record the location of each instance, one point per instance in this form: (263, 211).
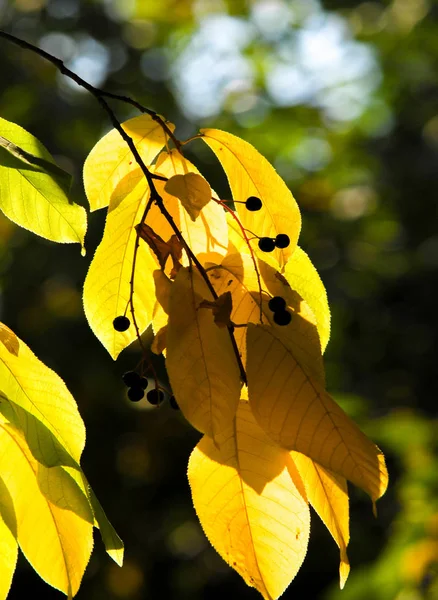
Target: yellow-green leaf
(304, 279)
(8, 542)
(192, 190)
(200, 362)
(297, 413)
(33, 195)
(54, 528)
(250, 174)
(107, 286)
(111, 159)
(43, 397)
(252, 509)
(328, 494)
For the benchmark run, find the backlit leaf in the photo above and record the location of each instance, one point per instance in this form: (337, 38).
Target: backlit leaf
(236, 274)
(200, 362)
(208, 235)
(251, 507)
(107, 286)
(328, 494)
(250, 174)
(297, 413)
(34, 195)
(8, 542)
(43, 397)
(111, 160)
(54, 529)
(304, 279)
(192, 190)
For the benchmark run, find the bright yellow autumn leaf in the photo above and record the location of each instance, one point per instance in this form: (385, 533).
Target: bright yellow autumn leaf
(35, 403)
(42, 396)
(299, 273)
(304, 279)
(252, 508)
(200, 361)
(8, 542)
(107, 287)
(297, 413)
(208, 235)
(192, 190)
(250, 174)
(236, 274)
(54, 521)
(328, 494)
(111, 160)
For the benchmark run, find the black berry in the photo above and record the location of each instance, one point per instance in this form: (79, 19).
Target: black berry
(266, 244)
(131, 378)
(155, 396)
(282, 317)
(253, 203)
(173, 403)
(135, 393)
(282, 240)
(277, 304)
(144, 382)
(121, 323)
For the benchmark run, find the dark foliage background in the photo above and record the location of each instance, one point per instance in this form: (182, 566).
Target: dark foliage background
(343, 98)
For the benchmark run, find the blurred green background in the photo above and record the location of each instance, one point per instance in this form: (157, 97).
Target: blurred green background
(342, 97)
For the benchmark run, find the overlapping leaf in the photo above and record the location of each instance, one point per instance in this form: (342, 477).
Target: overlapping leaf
(237, 274)
(250, 174)
(193, 191)
(328, 494)
(111, 160)
(299, 273)
(252, 508)
(33, 189)
(297, 413)
(40, 426)
(8, 541)
(200, 361)
(107, 287)
(207, 237)
(54, 529)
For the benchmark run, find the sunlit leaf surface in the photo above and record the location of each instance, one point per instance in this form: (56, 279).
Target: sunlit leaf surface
(111, 160)
(35, 196)
(252, 507)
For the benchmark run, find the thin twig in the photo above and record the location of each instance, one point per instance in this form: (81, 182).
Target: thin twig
(100, 96)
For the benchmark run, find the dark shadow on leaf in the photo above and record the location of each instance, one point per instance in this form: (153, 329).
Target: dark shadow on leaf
(7, 510)
(45, 448)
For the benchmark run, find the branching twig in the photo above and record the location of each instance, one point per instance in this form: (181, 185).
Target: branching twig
(100, 96)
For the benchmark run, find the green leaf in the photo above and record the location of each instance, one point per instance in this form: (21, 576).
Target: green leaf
(33, 189)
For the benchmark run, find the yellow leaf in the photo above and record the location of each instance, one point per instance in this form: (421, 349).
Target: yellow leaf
(297, 413)
(42, 396)
(111, 160)
(252, 509)
(208, 235)
(107, 286)
(304, 279)
(236, 275)
(200, 362)
(53, 517)
(250, 174)
(299, 272)
(328, 494)
(8, 543)
(192, 190)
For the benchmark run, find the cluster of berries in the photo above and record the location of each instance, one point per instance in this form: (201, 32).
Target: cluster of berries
(267, 244)
(137, 386)
(278, 306)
